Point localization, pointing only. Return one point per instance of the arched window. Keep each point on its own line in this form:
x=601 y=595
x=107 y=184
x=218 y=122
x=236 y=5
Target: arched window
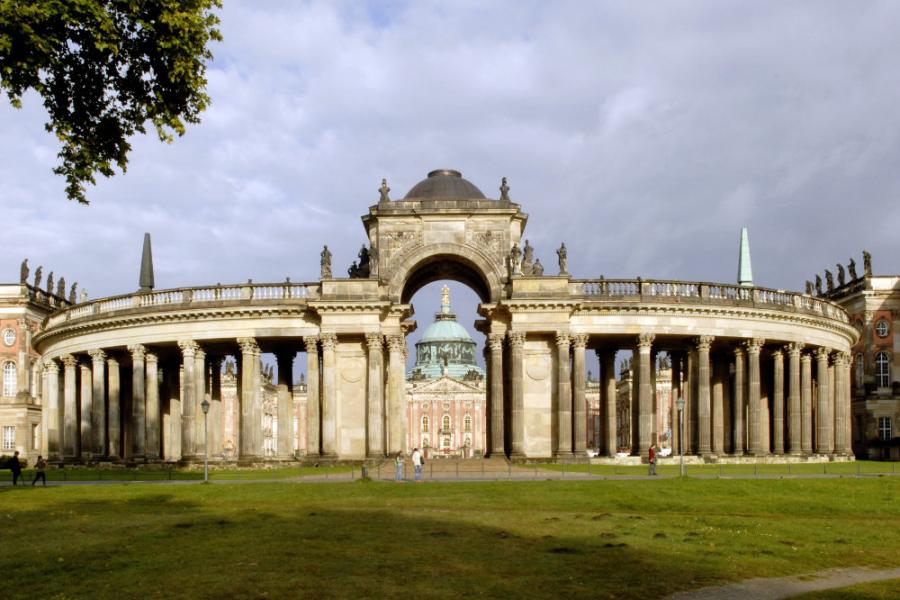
x=859 y=371
x=9 y=379
x=424 y=424
x=445 y=423
x=468 y=423
x=882 y=369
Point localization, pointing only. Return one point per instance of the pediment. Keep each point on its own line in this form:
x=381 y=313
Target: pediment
x=445 y=385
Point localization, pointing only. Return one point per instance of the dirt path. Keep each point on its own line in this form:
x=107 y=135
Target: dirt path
x=788 y=587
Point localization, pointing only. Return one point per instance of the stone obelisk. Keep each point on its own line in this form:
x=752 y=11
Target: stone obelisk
x=146 y=281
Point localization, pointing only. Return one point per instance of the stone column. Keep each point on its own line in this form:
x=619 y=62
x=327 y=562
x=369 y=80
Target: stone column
x=517 y=393
x=718 y=405
x=676 y=393
x=70 y=408
x=579 y=342
x=495 y=340
x=793 y=351
x=704 y=402
x=329 y=395
x=22 y=387
x=608 y=423
x=823 y=412
x=753 y=396
x=375 y=400
x=51 y=401
x=114 y=410
x=98 y=408
x=85 y=404
x=564 y=397
x=199 y=397
x=250 y=426
x=153 y=425
x=285 y=389
x=644 y=394
x=832 y=396
x=846 y=445
x=313 y=423
x=839 y=414
x=189 y=397
x=215 y=406
x=138 y=408
x=778 y=402
x=806 y=403
x=396 y=381
x=737 y=402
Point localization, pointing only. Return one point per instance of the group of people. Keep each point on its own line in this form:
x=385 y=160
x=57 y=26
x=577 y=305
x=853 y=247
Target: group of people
x=15 y=465
x=418 y=461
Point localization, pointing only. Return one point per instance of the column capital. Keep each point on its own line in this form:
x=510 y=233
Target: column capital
x=495 y=341
x=703 y=342
x=645 y=340
x=151 y=358
x=248 y=345
x=97 y=355
x=822 y=353
x=793 y=349
x=68 y=360
x=754 y=345
x=200 y=353
x=738 y=351
x=562 y=340
x=842 y=357
x=329 y=340
x=805 y=357
x=516 y=339
x=137 y=350
x=112 y=361
x=395 y=342
x=375 y=341
x=51 y=366
x=778 y=353
x=311 y=342
x=579 y=340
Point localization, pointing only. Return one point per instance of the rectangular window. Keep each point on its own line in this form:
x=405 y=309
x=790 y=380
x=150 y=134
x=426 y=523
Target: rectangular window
x=9 y=438
x=884 y=428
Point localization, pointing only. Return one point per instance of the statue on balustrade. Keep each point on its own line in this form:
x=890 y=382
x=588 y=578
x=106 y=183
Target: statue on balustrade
x=363 y=270
x=829 y=280
x=818 y=285
x=867 y=263
x=538 y=269
x=72 y=295
x=50 y=284
x=515 y=259
x=37 y=277
x=23 y=272
x=840 y=274
x=563 y=255
x=61 y=288
x=527 y=258
x=809 y=287
x=383 y=192
x=325 y=263
x=353 y=271
x=84 y=295
x=852 y=268
x=504 y=191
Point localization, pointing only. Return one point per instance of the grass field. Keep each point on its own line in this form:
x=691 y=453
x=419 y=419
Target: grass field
x=881 y=590
x=579 y=539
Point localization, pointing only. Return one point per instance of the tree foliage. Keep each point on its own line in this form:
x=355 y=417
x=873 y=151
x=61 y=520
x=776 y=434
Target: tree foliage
x=104 y=69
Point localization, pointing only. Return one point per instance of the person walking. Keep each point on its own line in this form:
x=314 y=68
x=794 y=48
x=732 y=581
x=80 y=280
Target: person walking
x=15 y=466
x=398 y=467
x=39 y=467
x=417 y=462
x=652 y=459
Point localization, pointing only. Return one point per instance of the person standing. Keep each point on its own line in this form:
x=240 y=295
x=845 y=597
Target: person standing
x=39 y=467
x=398 y=467
x=417 y=464
x=652 y=459
x=15 y=466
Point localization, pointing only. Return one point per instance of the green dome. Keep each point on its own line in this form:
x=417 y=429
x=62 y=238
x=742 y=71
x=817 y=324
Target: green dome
x=446 y=331
x=445 y=347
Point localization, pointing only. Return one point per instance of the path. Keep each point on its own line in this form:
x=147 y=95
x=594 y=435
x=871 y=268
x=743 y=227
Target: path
x=788 y=587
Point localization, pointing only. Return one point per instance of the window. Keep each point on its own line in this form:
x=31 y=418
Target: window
x=9 y=438
x=882 y=328
x=9 y=337
x=9 y=379
x=447 y=441
x=445 y=423
x=884 y=428
x=468 y=423
x=859 y=371
x=882 y=369
x=424 y=424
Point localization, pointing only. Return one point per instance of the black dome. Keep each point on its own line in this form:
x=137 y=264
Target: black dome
x=444 y=183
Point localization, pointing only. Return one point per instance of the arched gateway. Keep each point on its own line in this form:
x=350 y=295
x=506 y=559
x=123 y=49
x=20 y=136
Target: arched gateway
x=762 y=372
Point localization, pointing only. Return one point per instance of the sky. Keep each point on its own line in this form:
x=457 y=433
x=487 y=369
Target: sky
x=643 y=135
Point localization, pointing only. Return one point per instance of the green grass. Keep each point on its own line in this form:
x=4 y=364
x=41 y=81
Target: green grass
x=580 y=539
x=863 y=467
x=878 y=590
x=176 y=474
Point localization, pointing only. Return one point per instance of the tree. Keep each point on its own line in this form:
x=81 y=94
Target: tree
x=104 y=68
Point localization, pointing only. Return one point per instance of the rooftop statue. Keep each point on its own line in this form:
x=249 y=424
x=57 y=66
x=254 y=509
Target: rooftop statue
x=809 y=287
x=353 y=271
x=50 y=284
x=363 y=256
x=61 y=288
x=515 y=259
x=37 y=277
x=852 y=268
x=867 y=263
x=527 y=258
x=72 y=294
x=538 y=269
x=445 y=296
x=23 y=272
x=325 y=263
x=818 y=285
x=504 y=191
x=840 y=274
x=563 y=254
x=383 y=191
x=829 y=280
x=84 y=295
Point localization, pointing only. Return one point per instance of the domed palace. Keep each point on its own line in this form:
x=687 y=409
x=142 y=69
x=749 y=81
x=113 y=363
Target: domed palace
x=445 y=390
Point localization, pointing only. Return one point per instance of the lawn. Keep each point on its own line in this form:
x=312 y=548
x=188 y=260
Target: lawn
x=533 y=539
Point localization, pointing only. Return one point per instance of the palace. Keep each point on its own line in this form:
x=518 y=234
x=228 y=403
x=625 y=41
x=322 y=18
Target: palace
x=762 y=372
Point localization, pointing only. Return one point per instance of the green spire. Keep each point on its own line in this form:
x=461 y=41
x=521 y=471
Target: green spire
x=745 y=270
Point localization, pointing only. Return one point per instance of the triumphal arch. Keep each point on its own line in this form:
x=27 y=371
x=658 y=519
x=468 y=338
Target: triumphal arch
x=763 y=372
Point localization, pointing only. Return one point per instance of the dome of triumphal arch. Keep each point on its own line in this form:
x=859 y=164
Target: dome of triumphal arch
x=764 y=373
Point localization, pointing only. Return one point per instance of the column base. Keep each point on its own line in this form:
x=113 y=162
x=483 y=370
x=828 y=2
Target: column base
x=565 y=454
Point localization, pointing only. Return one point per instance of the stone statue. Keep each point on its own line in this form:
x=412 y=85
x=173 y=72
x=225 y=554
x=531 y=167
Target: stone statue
x=373 y=261
x=852 y=268
x=809 y=287
x=515 y=259
x=72 y=294
x=84 y=295
x=325 y=264
x=504 y=190
x=829 y=280
x=363 y=256
x=353 y=271
x=50 y=284
x=383 y=191
x=840 y=275
x=818 y=285
x=563 y=254
x=867 y=263
x=37 y=277
x=527 y=258
x=23 y=272
x=61 y=288
x=445 y=295
x=538 y=269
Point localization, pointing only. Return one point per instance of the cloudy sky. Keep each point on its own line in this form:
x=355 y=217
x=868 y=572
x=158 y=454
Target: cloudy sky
x=644 y=135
